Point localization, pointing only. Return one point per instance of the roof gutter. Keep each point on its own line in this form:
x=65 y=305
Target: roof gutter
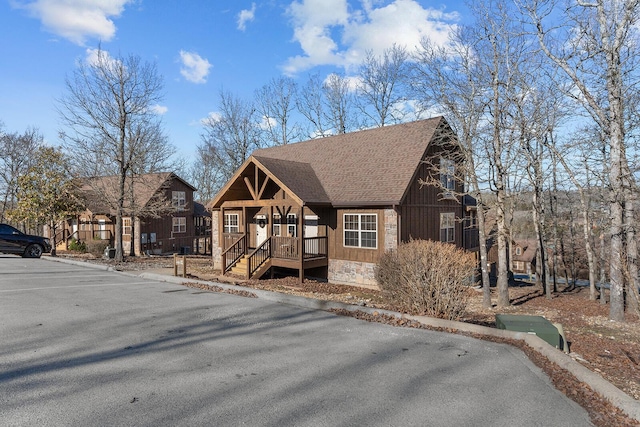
x=363 y=204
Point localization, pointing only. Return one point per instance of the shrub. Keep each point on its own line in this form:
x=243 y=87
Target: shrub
x=430 y=278
x=77 y=245
x=97 y=247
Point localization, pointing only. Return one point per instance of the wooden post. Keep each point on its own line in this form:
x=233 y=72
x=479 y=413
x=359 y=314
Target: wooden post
x=221 y=240
x=301 y=243
x=179 y=260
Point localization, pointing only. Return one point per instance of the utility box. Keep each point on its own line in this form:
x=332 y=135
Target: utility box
x=536 y=325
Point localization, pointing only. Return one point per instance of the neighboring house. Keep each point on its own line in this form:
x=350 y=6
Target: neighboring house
x=330 y=207
x=162 y=218
x=524 y=254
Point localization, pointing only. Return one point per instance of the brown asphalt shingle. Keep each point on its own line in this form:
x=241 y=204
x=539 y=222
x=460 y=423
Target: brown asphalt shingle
x=368 y=167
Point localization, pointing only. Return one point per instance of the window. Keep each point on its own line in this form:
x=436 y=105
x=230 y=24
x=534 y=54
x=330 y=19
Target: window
x=180 y=224
x=276 y=224
x=447 y=176
x=126 y=226
x=361 y=230
x=518 y=250
x=447 y=227
x=292 y=225
x=231 y=224
x=178 y=200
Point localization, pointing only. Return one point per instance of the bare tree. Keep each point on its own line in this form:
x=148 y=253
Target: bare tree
x=328 y=105
x=447 y=79
x=230 y=136
x=310 y=104
x=16 y=156
x=380 y=91
x=275 y=102
x=502 y=52
x=107 y=109
x=595 y=45
x=338 y=95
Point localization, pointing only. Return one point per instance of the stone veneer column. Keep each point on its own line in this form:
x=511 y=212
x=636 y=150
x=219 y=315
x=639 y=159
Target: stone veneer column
x=390 y=229
x=216 y=250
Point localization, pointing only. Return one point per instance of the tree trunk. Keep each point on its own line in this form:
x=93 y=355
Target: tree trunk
x=503 y=263
x=486 y=282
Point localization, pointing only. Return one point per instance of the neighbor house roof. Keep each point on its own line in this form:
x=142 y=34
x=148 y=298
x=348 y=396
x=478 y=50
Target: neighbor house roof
x=100 y=193
x=369 y=167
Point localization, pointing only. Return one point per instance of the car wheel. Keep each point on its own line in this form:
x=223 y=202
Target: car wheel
x=33 y=251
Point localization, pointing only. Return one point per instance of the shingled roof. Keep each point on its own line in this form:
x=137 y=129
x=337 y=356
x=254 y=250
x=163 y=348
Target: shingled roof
x=101 y=193
x=365 y=168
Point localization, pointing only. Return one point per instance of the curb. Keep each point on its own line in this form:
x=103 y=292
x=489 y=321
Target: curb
x=617 y=397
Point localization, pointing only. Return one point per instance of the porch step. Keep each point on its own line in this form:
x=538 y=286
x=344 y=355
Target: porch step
x=243 y=264
x=241 y=267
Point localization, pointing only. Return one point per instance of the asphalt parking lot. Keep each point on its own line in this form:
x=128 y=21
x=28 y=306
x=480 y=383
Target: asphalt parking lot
x=90 y=347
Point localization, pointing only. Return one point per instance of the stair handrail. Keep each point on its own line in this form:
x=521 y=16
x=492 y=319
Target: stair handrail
x=259 y=256
x=237 y=251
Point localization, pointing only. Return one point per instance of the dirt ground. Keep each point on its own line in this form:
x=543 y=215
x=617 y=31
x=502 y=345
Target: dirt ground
x=609 y=348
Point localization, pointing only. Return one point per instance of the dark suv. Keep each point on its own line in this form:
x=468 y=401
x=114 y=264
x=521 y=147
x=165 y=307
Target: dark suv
x=13 y=241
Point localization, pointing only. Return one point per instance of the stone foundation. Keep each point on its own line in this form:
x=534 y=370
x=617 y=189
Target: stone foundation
x=352 y=273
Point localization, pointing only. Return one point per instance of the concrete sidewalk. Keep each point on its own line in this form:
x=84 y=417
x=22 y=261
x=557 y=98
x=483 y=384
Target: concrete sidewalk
x=626 y=403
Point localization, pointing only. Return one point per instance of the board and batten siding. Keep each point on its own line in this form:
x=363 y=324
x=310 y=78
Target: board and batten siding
x=421 y=208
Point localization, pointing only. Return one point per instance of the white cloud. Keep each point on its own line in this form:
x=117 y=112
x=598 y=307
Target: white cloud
x=194 y=68
x=76 y=20
x=333 y=32
x=246 y=15
x=211 y=118
x=160 y=109
x=93 y=56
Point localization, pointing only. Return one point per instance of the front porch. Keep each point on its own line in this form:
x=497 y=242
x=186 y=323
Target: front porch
x=275 y=251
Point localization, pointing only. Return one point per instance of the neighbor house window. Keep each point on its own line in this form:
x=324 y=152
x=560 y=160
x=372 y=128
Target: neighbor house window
x=178 y=200
x=180 y=224
x=231 y=223
x=518 y=251
x=361 y=230
x=447 y=227
x=126 y=226
x=447 y=176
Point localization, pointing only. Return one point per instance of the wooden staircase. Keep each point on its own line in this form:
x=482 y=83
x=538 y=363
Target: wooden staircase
x=241 y=266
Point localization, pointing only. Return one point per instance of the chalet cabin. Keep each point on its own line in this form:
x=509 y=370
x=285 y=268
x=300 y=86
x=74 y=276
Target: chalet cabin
x=330 y=207
x=160 y=215
x=523 y=253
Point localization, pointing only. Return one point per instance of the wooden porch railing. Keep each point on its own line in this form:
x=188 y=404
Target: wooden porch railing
x=233 y=253
x=315 y=247
x=273 y=247
x=258 y=257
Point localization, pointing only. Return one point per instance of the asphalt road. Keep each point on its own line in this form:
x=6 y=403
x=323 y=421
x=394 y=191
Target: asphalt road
x=85 y=347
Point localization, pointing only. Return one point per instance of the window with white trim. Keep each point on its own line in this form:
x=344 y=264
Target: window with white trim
x=292 y=225
x=178 y=200
x=447 y=176
x=179 y=224
x=126 y=226
x=231 y=223
x=361 y=230
x=447 y=227
x=276 y=225
x=518 y=250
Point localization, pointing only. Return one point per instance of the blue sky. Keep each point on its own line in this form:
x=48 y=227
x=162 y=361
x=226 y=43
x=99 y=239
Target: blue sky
x=199 y=47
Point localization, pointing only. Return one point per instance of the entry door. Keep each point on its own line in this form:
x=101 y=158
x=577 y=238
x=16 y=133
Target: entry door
x=261 y=229
x=311 y=230
x=102 y=228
